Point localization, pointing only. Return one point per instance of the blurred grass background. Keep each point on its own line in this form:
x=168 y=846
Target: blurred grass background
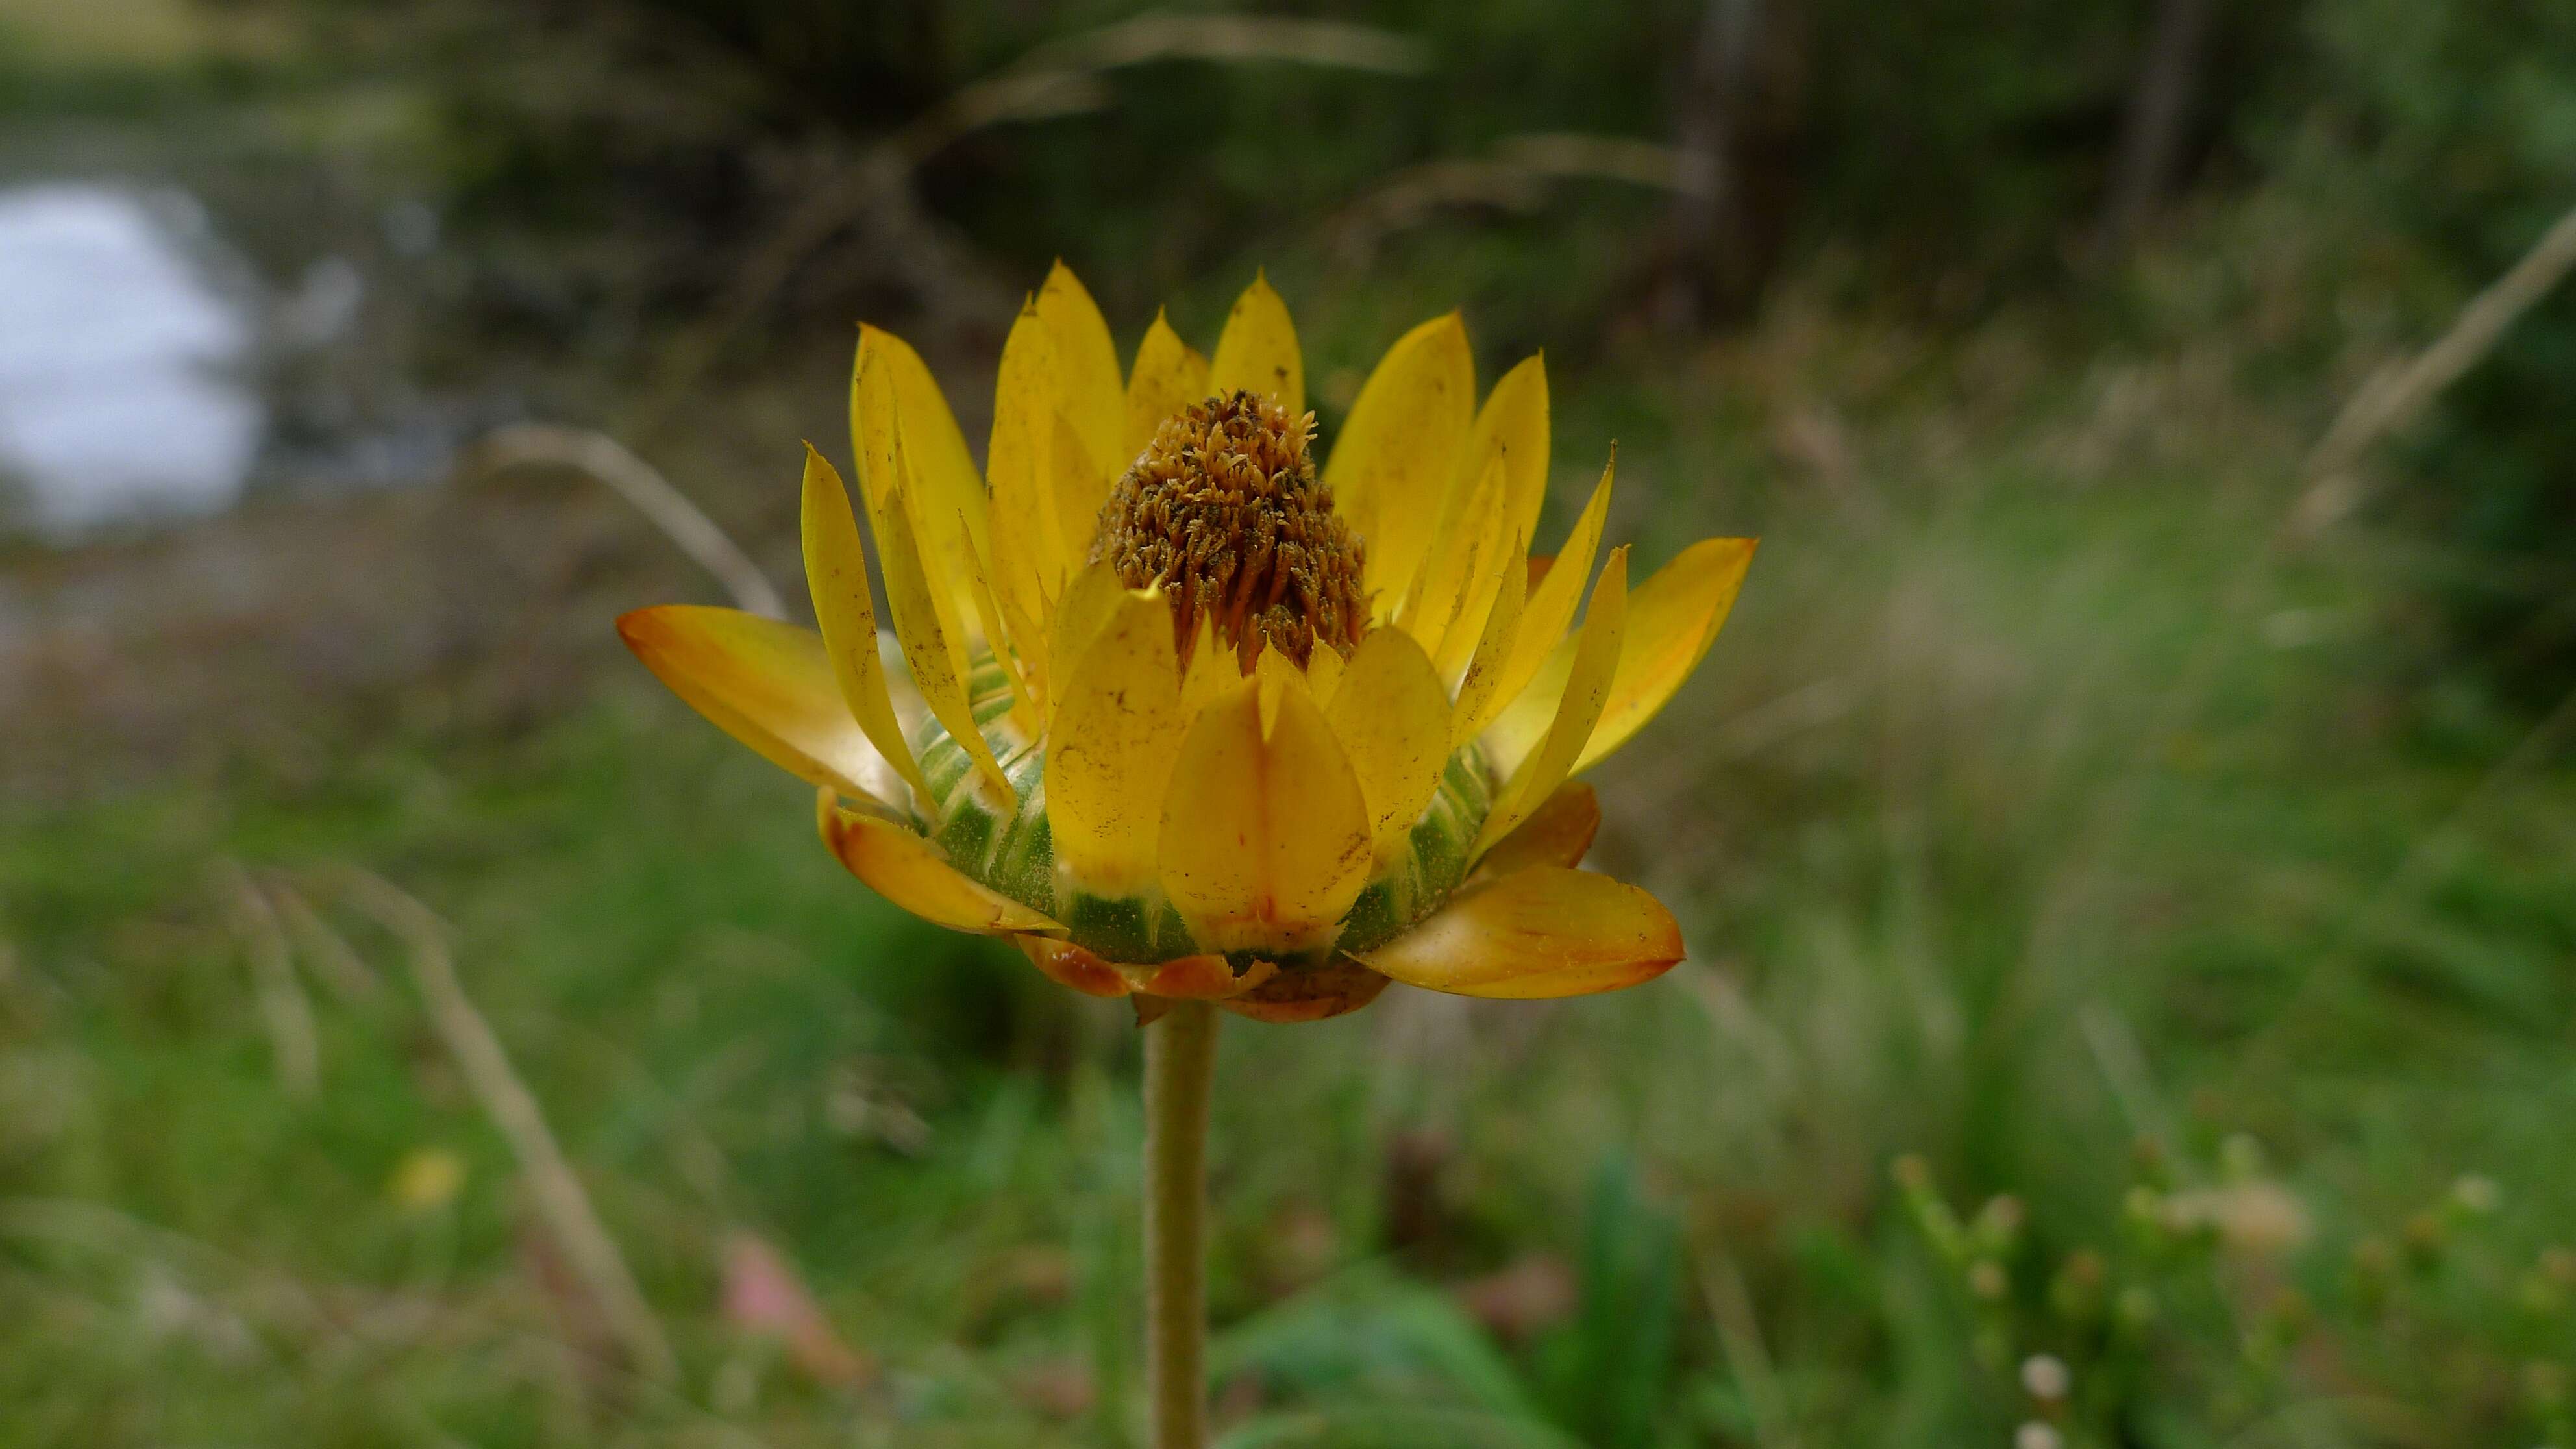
x=2133 y=995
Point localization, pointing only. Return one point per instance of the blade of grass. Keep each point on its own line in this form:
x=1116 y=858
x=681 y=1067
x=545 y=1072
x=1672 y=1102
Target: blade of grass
x=562 y=1201
x=283 y=1007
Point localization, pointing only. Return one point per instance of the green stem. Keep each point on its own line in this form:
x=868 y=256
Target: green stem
x=1180 y=1066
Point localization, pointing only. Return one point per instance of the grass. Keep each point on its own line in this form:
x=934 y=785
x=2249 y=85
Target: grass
x=2037 y=818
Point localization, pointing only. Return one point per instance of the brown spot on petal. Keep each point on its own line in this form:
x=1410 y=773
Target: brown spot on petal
x=1334 y=989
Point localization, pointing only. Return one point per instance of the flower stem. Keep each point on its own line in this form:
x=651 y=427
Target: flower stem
x=1180 y=1066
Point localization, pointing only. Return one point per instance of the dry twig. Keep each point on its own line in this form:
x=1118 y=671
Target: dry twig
x=1061 y=79
x=2396 y=393
x=1516 y=177
x=1064 y=78
x=325 y=950
x=602 y=457
x=561 y=1200
x=1739 y=1333
x=283 y=1006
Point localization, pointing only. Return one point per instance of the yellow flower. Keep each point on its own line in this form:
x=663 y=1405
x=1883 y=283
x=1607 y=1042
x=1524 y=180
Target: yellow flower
x=426 y=1179
x=1184 y=717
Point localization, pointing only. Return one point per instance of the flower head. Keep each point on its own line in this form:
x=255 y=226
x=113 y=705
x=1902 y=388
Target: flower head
x=1222 y=512
x=1185 y=715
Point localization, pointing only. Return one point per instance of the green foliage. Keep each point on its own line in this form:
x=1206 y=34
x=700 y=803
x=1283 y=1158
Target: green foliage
x=1609 y=1371
x=1998 y=891
x=2033 y=807
x=2438 y=184
x=1371 y=1337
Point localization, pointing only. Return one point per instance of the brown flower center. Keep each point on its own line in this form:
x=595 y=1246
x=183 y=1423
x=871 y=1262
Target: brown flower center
x=1223 y=510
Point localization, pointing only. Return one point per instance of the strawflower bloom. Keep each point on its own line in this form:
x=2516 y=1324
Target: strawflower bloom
x=1187 y=716
x=1195 y=721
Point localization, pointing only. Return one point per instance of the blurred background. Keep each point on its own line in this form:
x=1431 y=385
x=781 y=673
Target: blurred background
x=2124 y=836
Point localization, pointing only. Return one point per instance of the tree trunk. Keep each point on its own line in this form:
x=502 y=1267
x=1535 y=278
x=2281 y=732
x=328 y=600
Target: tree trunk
x=2158 y=116
x=1707 y=241
x=1734 y=133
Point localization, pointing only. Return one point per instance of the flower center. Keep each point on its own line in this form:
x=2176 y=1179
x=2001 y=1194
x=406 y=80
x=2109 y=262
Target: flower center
x=1223 y=511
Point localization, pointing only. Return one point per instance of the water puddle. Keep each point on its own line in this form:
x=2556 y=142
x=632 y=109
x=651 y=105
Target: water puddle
x=125 y=362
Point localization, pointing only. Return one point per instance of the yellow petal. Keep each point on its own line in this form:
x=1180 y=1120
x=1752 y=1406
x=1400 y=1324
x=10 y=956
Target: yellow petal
x=1028 y=542
x=1512 y=428
x=1672 y=620
x=1086 y=608
x=1448 y=571
x=1081 y=485
x=1390 y=468
x=1024 y=609
x=1492 y=500
x=1117 y=728
x=1265 y=838
x=1523 y=704
x=1478 y=689
x=1540 y=932
x=766 y=684
x=888 y=484
x=1587 y=690
x=927 y=639
x=925 y=620
x=1258 y=350
x=1324 y=671
x=1277 y=677
x=908 y=870
x=1520 y=725
x=1392 y=719
x=934 y=449
x=1169 y=376
x=1211 y=671
x=1498 y=553
x=938 y=447
x=1086 y=365
x=1558 y=833
x=949 y=506
x=1553 y=601
x=836 y=572
x=1025 y=713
